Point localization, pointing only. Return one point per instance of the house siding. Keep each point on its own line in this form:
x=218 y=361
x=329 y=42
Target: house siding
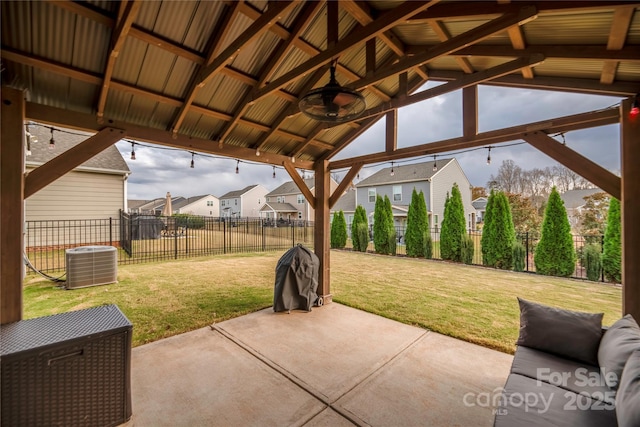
x=200 y=207
x=78 y=195
x=362 y=195
x=443 y=181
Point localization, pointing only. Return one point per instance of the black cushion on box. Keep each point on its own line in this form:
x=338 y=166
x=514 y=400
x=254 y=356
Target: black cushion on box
x=567 y=333
x=628 y=396
x=617 y=344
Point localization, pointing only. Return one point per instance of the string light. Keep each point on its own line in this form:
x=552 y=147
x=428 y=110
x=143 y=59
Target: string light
x=274 y=172
x=237 y=166
x=52 y=142
x=392 y=172
x=435 y=165
x=193 y=165
x=489 y=156
x=133 y=151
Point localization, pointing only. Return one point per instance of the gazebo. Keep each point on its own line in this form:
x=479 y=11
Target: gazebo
x=230 y=78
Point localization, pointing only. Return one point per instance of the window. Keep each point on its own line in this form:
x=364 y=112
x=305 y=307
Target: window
x=280 y=199
x=299 y=215
x=223 y=203
x=372 y=195
x=268 y=200
x=436 y=221
x=209 y=202
x=397 y=193
x=259 y=202
x=300 y=199
x=236 y=200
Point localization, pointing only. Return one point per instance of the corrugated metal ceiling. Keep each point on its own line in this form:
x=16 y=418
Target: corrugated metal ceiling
x=60 y=52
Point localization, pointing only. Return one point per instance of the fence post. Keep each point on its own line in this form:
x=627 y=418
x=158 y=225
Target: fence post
x=526 y=237
x=601 y=252
x=224 y=236
x=110 y=231
x=175 y=240
x=293 y=234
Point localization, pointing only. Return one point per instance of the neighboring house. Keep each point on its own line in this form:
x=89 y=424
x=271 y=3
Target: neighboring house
x=243 y=203
x=435 y=185
x=205 y=205
x=480 y=205
x=288 y=203
x=97 y=189
x=574 y=202
x=347 y=204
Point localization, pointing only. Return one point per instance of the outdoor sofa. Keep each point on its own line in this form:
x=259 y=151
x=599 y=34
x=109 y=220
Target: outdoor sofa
x=570 y=371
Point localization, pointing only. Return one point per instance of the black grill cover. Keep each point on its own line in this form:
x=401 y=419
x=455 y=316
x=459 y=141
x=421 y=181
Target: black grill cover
x=296 y=280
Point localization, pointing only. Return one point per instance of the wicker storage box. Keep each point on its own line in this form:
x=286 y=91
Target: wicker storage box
x=70 y=369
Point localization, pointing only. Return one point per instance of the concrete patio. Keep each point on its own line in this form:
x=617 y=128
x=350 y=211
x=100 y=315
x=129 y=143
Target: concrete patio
x=334 y=366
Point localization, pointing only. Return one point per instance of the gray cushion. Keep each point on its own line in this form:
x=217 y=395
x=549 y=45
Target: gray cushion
x=561 y=372
x=617 y=344
x=571 y=334
x=628 y=397
x=527 y=403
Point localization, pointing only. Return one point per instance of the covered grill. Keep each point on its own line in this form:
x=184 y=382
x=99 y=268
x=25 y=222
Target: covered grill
x=296 y=280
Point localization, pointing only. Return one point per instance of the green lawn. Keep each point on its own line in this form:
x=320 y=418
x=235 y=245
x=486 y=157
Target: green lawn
x=472 y=303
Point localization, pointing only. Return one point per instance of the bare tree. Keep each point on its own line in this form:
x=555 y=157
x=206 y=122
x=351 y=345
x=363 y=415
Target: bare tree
x=507 y=178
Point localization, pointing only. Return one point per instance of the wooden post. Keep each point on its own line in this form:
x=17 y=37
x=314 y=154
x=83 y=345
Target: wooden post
x=12 y=141
x=470 y=111
x=322 y=232
x=630 y=210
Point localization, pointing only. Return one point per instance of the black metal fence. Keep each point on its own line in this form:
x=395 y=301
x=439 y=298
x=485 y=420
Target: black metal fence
x=141 y=238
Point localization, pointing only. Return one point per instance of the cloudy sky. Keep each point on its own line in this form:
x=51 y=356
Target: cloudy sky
x=156 y=170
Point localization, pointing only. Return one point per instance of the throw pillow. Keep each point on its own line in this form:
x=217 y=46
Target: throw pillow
x=628 y=396
x=617 y=344
x=572 y=334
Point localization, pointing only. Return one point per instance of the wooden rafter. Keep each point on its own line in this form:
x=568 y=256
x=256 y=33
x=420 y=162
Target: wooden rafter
x=361 y=13
x=361 y=35
x=128 y=12
x=444 y=35
x=276 y=58
x=561 y=124
x=214 y=65
x=617 y=37
x=575 y=161
x=344 y=184
x=445 y=48
x=465 y=80
x=87 y=122
x=44 y=175
x=302 y=186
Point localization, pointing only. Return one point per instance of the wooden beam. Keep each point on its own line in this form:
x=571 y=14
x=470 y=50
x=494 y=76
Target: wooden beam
x=450 y=46
x=628 y=53
x=322 y=230
x=11 y=204
x=444 y=35
x=305 y=16
x=87 y=122
x=391 y=131
x=470 y=111
x=630 y=210
x=213 y=66
x=468 y=9
x=361 y=13
x=574 y=161
x=128 y=13
x=518 y=42
x=561 y=84
x=361 y=35
x=619 y=29
x=561 y=124
x=44 y=175
x=465 y=80
x=344 y=184
x=302 y=186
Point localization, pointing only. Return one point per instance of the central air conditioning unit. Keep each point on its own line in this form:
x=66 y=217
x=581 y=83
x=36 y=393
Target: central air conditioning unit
x=91 y=266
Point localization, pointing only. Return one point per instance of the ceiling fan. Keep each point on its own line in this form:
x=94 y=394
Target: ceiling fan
x=332 y=102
